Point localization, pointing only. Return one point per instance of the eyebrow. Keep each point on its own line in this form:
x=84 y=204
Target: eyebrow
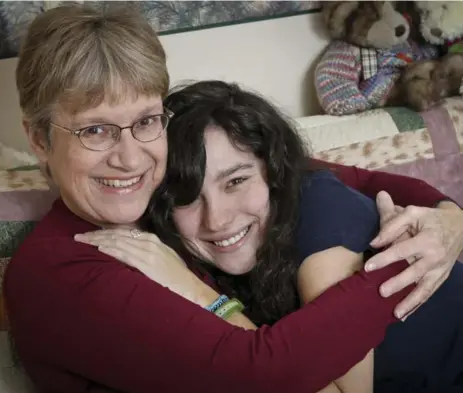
x=230 y=171
x=101 y=120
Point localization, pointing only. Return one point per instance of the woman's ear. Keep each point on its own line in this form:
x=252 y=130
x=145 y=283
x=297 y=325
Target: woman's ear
x=38 y=141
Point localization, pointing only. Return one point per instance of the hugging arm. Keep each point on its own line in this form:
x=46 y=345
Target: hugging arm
x=336 y=225
x=428 y=232
x=319 y=272
x=131 y=334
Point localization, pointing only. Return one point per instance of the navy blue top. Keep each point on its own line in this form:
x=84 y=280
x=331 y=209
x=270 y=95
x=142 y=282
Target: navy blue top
x=425 y=353
x=332 y=214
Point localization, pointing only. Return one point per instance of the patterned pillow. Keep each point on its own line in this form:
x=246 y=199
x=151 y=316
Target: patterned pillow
x=3 y=316
x=25 y=197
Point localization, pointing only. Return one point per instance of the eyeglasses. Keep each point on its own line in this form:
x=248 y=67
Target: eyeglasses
x=102 y=137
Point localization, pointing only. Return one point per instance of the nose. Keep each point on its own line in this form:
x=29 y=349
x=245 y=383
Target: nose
x=217 y=216
x=127 y=153
x=436 y=32
x=400 y=31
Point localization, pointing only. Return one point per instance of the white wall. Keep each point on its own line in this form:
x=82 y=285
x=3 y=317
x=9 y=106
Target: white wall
x=274 y=57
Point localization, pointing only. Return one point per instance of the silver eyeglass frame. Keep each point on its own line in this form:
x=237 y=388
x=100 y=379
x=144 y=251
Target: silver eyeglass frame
x=167 y=113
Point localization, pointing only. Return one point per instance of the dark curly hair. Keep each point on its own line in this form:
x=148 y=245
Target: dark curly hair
x=269 y=290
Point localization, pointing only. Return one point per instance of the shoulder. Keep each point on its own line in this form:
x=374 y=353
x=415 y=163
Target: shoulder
x=323 y=189
x=332 y=214
x=51 y=265
x=44 y=266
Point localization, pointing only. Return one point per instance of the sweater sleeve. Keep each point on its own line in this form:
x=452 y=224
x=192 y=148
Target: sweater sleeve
x=403 y=189
x=336 y=80
x=115 y=327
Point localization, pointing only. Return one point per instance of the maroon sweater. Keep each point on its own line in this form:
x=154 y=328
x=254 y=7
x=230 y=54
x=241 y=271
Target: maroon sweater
x=84 y=322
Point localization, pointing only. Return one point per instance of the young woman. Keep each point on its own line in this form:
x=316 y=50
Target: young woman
x=239 y=202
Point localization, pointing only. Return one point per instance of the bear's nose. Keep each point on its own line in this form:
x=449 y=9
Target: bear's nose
x=436 y=32
x=400 y=31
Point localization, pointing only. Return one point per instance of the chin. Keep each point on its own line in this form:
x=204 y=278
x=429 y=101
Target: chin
x=127 y=217
x=234 y=270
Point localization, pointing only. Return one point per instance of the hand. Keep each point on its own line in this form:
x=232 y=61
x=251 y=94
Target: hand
x=430 y=239
x=150 y=256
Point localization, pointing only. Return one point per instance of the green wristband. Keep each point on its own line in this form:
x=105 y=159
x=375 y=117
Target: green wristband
x=230 y=307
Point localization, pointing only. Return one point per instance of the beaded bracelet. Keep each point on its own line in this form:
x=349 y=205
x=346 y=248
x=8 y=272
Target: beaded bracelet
x=230 y=307
x=215 y=305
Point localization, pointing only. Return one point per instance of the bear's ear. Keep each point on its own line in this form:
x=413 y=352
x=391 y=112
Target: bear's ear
x=361 y=21
x=351 y=21
x=390 y=29
x=335 y=14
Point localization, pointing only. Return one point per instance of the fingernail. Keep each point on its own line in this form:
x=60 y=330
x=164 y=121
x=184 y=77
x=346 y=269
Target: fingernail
x=78 y=236
x=400 y=315
x=369 y=267
x=384 y=291
x=404 y=317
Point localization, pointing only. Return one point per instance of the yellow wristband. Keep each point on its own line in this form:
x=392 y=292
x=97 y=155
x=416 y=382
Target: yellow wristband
x=230 y=307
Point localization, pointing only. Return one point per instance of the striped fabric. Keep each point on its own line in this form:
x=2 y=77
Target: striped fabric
x=343 y=85
x=369 y=60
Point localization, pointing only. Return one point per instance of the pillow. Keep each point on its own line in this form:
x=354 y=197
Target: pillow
x=3 y=317
x=25 y=197
x=10 y=158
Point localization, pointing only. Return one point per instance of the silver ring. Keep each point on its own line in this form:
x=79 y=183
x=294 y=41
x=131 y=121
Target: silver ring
x=411 y=260
x=135 y=233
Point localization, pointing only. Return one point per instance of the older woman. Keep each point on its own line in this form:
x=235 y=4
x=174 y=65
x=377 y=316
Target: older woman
x=91 y=86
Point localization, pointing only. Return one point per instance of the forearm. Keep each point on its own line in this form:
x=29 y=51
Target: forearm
x=359 y=379
x=203 y=295
x=318 y=273
x=164 y=331
x=214 y=354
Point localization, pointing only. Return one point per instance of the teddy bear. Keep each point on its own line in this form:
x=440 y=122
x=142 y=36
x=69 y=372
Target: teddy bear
x=441 y=23
x=370 y=48
x=425 y=84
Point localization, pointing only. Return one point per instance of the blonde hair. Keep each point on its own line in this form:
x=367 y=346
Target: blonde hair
x=74 y=57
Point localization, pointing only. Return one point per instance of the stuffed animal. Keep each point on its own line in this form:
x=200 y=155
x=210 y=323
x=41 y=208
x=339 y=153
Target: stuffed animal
x=442 y=23
x=370 y=49
x=425 y=84
x=415 y=88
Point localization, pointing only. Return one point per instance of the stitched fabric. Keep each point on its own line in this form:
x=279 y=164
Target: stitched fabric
x=345 y=77
x=369 y=62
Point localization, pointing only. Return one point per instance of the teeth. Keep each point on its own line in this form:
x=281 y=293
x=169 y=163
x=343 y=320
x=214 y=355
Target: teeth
x=233 y=239
x=119 y=183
